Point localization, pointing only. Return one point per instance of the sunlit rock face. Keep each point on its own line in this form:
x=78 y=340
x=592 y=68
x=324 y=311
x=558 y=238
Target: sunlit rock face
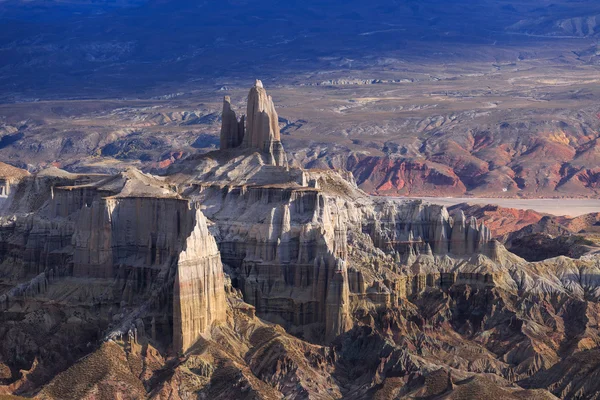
x=199 y=287
x=130 y=230
x=263 y=125
x=307 y=256
x=258 y=130
x=288 y=253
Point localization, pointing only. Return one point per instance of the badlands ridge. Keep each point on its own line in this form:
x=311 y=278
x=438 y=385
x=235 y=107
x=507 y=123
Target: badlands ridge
x=235 y=275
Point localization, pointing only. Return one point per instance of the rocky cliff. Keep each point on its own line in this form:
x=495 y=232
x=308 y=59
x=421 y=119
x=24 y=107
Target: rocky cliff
x=390 y=287
x=132 y=233
x=233 y=276
x=199 y=288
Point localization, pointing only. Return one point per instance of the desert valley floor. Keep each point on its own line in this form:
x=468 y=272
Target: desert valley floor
x=266 y=200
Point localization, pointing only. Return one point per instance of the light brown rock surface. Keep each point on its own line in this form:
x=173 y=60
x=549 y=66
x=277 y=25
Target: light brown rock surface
x=258 y=131
x=234 y=277
x=9 y=176
x=198 y=294
x=262 y=126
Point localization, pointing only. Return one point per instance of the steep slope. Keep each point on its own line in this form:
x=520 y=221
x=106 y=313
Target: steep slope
x=234 y=277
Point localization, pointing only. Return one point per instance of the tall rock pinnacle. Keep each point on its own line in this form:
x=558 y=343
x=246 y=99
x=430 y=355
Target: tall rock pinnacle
x=263 y=125
x=261 y=130
x=232 y=130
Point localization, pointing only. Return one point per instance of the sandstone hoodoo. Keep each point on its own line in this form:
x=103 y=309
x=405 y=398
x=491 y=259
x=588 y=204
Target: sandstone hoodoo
x=260 y=130
x=235 y=275
x=232 y=129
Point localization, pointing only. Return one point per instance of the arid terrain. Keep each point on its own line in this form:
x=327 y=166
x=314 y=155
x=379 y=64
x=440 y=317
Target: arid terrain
x=562 y=207
x=526 y=126
x=237 y=275
x=497 y=99
x=404 y=207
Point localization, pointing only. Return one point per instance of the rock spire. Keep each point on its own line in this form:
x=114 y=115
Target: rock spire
x=261 y=130
x=232 y=130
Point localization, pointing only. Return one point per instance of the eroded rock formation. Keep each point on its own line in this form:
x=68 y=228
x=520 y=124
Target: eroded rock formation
x=232 y=129
x=132 y=230
x=261 y=130
x=8 y=176
x=198 y=294
x=232 y=276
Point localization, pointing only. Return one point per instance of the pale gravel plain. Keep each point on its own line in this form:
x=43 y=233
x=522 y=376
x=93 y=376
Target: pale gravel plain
x=559 y=207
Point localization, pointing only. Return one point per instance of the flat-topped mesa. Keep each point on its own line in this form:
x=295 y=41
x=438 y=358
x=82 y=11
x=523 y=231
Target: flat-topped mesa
x=232 y=129
x=262 y=127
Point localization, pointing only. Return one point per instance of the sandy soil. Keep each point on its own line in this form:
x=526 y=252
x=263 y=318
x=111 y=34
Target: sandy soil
x=567 y=207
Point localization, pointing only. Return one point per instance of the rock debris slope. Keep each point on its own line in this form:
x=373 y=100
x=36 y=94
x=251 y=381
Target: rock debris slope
x=237 y=276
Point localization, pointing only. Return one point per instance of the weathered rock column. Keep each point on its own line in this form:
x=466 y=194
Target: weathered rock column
x=199 y=288
x=232 y=130
x=337 y=303
x=262 y=127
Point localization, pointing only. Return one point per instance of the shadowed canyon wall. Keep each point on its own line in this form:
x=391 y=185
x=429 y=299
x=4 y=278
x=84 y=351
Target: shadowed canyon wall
x=154 y=250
